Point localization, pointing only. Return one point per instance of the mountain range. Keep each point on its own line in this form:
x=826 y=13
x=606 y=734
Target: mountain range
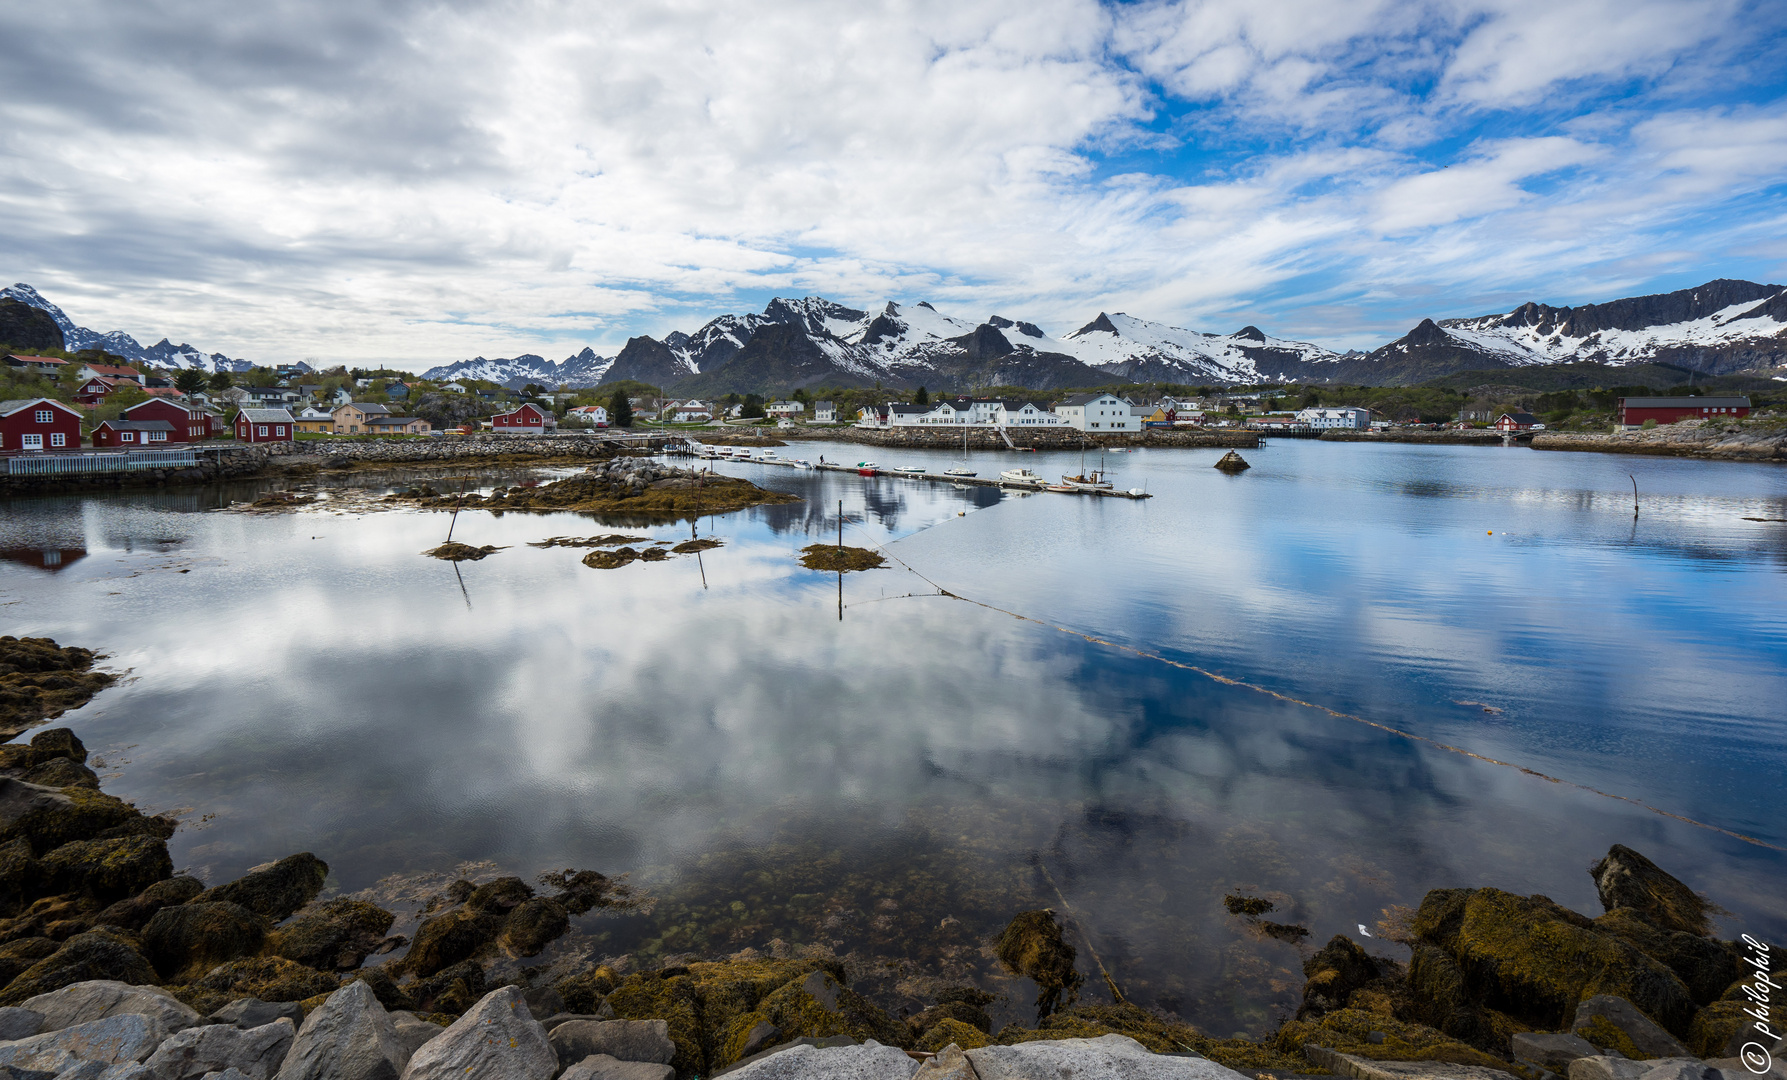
x=1723 y=327
x=162 y=354
x=1720 y=328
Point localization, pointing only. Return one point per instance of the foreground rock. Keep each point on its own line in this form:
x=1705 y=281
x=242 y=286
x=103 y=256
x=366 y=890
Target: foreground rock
x=1744 y=441
x=99 y=999
x=1109 y=1055
x=869 y=1061
x=115 y=1039
x=497 y=1040
x=350 y=1037
x=191 y=1054
x=625 y=1040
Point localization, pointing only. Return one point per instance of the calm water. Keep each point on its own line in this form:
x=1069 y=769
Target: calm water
x=896 y=784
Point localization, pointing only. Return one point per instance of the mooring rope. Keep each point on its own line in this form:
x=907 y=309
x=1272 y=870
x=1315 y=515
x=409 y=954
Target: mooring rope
x=1336 y=713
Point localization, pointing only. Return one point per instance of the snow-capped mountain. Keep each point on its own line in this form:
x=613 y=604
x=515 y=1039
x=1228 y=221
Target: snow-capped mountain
x=579 y=369
x=162 y=354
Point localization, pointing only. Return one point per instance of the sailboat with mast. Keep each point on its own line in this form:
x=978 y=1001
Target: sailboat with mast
x=1096 y=480
x=961 y=469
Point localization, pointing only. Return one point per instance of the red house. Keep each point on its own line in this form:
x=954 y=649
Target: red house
x=133 y=434
x=189 y=422
x=93 y=392
x=38 y=424
x=528 y=420
x=1518 y=421
x=265 y=425
x=1634 y=411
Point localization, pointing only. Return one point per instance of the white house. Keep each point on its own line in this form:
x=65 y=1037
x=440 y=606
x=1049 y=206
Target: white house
x=962 y=412
x=1352 y=419
x=594 y=415
x=824 y=412
x=1098 y=412
x=784 y=408
x=454 y=388
x=691 y=411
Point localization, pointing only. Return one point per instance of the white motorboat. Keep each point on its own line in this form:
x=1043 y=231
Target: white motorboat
x=916 y=470
x=767 y=455
x=802 y=463
x=959 y=470
x=1022 y=478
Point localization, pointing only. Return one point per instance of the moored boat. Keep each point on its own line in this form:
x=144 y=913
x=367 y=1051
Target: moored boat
x=1021 y=478
x=958 y=470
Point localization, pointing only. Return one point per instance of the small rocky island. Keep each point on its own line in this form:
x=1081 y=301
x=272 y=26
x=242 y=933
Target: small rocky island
x=634 y=487
x=112 y=967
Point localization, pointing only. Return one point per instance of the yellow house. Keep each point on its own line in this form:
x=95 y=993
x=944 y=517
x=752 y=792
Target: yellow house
x=352 y=419
x=316 y=425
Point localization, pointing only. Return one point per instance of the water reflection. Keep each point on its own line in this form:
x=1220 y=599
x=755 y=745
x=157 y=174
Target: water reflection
x=900 y=783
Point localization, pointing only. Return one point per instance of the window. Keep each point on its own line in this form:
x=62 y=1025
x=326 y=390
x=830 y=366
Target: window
x=43 y=416
x=33 y=442
x=58 y=439
x=281 y=430
x=127 y=436
x=263 y=431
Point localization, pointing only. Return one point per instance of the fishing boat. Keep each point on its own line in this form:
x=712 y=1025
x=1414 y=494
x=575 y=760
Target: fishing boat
x=767 y=455
x=959 y=470
x=1092 y=481
x=741 y=453
x=1021 y=478
x=867 y=468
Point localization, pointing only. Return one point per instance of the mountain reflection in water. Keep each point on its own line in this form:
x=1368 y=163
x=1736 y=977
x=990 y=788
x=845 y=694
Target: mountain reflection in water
x=900 y=783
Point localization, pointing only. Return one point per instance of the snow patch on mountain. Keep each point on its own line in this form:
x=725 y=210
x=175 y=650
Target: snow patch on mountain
x=162 y=354
x=1524 y=344
x=580 y=369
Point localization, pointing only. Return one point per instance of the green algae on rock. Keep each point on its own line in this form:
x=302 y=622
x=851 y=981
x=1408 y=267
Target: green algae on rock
x=40 y=680
x=1031 y=946
x=453 y=551
x=336 y=936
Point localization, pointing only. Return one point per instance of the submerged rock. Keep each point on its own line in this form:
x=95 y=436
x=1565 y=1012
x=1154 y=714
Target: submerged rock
x=1031 y=946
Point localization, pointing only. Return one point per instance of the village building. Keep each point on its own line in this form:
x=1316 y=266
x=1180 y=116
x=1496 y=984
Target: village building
x=1517 y=421
x=594 y=415
x=354 y=419
x=93 y=391
x=132 y=434
x=399 y=425
x=265 y=425
x=38 y=424
x=1337 y=419
x=271 y=397
x=1098 y=412
x=314 y=422
x=1634 y=411
x=109 y=371
x=454 y=388
x=188 y=423
x=692 y=412
x=824 y=412
x=784 y=408
x=40 y=365
x=529 y=419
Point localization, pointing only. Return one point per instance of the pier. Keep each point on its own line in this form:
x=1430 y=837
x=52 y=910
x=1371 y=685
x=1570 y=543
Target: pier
x=690 y=450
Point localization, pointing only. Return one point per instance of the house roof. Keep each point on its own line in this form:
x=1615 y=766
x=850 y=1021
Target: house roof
x=267 y=416
x=116 y=372
x=390 y=421
x=137 y=425
x=370 y=408
x=1521 y=417
x=154 y=400
x=1082 y=399
x=901 y=407
x=1686 y=402
x=7 y=408
x=35 y=359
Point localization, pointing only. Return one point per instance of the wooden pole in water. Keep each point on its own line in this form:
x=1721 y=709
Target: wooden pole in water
x=840 y=560
x=1634 y=497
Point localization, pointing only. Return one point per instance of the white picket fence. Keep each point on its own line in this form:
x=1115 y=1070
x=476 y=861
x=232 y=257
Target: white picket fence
x=63 y=464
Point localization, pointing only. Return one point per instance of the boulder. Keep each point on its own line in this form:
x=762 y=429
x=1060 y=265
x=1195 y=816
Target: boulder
x=952 y=1032
x=274 y=891
x=1722 y=1028
x=1534 y=960
x=19 y=1023
x=1232 y=462
x=1552 y=1051
x=60 y=742
x=61 y=773
x=497 y=1039
x=1679 y=1069
x=253 y=1012
x=1626 y=879
x=100 y=998
x=50 y=817
x=1608 y=1067
x=1613 y=1023
x=335 y=936
x=1333 y=974
x=1108 y=1055
x=603 y=1067
x=227 y=1074
x=107 y=870
x=20 y=953
x=187 y=941
x=1766 y=1065
x=1706 y=967
x=125 y=1037
x=949 y=1064
x=413 y=1032
x=449 y=939
x=627 y=1040
x=256 y=1052
x=347 y=1037
x=802 y=1061
x=1361 y=1067
x=133 y=913
x=269 y=978
x=82 y=958
x=533 y=925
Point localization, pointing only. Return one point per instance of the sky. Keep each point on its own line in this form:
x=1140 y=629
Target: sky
x=414 y=183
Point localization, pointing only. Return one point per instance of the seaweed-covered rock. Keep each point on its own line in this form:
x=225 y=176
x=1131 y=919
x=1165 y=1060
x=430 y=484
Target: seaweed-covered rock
x=335 y=936
x=1352 y=1031
x=274 y=891
x=93 y=955
x=254 y=1052
x=1535 y=960
x=133 y=913
x=1031 y=946
x=497 y=1039
x=385 y=988
x=1613 y=1023
x=269 y=978
x=60 y=742
x=821 y=1005
x=452 y=990
x=347 y=1037
x=952 y=1032
x=187 y=941
x=1626 y=879
x=1722 y=1028
x=107 y=870
x=450 y=938
x=57 y=917
x=100 y=998
x=585 y=992
x=39 y=679
x=1706 y=967
x=51 y=817
x=60 y=773
x=20 y=876
x=1437 y=997
x=20 y=953
x=1332 y=975
x=534 y=924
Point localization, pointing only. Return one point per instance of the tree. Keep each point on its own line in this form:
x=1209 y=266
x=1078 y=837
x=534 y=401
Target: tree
x=922 y=397
x=189 y=380
x=533 y=389
x=620 y=410
x=220 y=380
x=753 y=407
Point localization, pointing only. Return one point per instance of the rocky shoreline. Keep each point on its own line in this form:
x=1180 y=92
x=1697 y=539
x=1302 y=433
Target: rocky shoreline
x=1712 y=439
x=112 y=967
x=1030 y=439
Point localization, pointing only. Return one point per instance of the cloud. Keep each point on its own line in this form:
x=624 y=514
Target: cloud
x=413 y=183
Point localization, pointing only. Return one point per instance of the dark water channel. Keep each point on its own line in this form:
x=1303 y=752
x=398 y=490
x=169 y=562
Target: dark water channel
x=895 y=785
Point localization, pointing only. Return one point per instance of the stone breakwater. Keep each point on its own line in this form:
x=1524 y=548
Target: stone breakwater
x=459 y=449
x=1474 y=437
x=215 y=464
x=1718 y=440
x=1034 y=438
